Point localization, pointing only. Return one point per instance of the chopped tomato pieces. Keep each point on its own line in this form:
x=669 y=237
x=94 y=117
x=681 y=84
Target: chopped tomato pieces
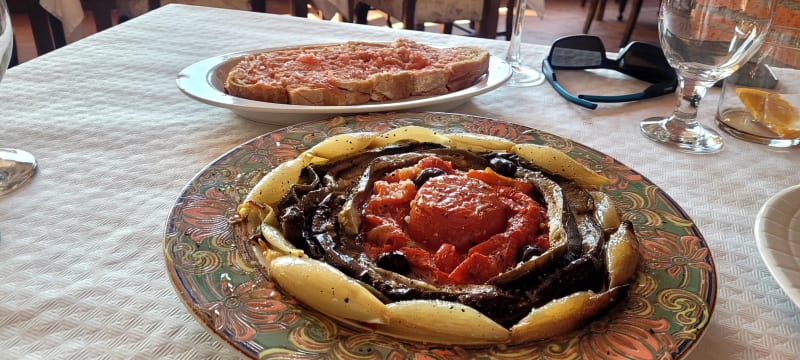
x=386 y=237
x=308 y=59
x=490 y=177
x=437 y=163
x=447 y=258
x=476 y=269
x=394 y=192
x=457 y=210
x=411 y=172
x=406 y=173
x=456 y=228
x=423 y=266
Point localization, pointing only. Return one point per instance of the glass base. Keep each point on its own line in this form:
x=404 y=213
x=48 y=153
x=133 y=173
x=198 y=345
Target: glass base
x=523 y=76
x=16 y=168
x=740 y=124
x=696 y=140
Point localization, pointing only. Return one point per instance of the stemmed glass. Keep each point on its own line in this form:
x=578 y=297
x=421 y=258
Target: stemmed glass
x=522 y=75
x=705 y=41
x=16 y=166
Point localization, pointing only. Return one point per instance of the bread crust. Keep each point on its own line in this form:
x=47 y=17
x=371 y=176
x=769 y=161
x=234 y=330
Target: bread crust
x=355 y=72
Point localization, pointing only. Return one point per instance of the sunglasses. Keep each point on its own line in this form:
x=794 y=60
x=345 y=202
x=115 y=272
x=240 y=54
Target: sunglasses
x=640 y=60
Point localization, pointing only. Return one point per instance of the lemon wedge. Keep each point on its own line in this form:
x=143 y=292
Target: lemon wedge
x=772 y=111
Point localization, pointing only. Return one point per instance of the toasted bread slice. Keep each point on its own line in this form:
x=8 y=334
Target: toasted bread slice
x=355 y=73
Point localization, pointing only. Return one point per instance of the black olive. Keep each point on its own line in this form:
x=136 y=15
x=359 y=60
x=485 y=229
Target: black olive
x=394 y=261
x=503 y=166
x=529 y=251
x=427 y=174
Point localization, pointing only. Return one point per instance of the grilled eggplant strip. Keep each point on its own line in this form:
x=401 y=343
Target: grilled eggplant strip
x=293 y=226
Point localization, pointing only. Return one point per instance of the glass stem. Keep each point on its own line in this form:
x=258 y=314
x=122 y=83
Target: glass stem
x=513 y=56
x=690 y=93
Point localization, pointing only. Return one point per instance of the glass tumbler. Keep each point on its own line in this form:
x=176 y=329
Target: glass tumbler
x=761 y=101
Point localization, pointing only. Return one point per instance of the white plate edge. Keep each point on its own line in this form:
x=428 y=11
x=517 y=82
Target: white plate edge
x=194 y=81
x=764 y=238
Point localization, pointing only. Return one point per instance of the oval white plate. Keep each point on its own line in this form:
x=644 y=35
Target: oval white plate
x=204 y=81
x=777 y=231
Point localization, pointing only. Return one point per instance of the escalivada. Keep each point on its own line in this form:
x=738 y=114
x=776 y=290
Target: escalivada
x=459 y=239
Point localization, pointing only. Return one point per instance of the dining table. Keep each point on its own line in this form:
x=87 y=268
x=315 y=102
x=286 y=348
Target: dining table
x=83 y=272
x=71 y=12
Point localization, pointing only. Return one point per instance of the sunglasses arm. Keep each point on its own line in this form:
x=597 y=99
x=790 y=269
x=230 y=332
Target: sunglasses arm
x=652 y=91
x=614 y=98
x=551 y=76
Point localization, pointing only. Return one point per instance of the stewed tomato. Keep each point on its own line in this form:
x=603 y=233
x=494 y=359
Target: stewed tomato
x=457 y=210
x=458 y=227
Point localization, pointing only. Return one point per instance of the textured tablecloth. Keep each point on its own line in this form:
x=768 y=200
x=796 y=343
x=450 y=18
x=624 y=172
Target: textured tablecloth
x=82 y=272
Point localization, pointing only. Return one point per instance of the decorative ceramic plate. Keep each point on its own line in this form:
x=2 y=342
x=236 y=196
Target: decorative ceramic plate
x=217 y=276
x=777 y=231
x=204 y=81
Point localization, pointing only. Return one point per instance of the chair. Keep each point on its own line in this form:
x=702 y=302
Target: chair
x=326 y=9
x=356 y=10
x=602 y=8
x=597 y=8
x=101 y=9
x=47 y=31
x=507 y=31
x=14 y=61
x=255 y=5
x=413 y=14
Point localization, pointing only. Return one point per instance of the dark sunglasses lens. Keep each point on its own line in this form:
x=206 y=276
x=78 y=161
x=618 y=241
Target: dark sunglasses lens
x=646 y=62
x=577 y=52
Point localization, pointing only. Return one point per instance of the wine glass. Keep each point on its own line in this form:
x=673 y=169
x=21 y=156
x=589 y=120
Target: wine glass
x=16 y=166
x=521 y=75
x=704 y=41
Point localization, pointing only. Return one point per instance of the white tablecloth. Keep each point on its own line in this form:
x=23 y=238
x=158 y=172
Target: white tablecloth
x=81 y=263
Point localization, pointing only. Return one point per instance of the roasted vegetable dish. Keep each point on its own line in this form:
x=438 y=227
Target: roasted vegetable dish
x=447 y=238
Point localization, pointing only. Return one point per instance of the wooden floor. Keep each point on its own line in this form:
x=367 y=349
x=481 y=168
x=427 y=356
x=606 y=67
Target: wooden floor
x=561 y=18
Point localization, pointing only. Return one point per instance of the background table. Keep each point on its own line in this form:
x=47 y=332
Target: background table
x=81 y=267
x=71 y=12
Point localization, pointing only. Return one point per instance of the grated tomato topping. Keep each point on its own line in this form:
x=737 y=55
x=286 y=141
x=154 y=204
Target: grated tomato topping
x=463 y=227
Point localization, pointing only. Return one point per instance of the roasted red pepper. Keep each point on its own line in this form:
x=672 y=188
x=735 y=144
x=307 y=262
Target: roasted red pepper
x=456 y=228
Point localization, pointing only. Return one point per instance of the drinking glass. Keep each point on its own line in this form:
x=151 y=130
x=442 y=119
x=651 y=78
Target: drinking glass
x=704 y=41
x=521 y=75
x=760 y=102
x=16 y=166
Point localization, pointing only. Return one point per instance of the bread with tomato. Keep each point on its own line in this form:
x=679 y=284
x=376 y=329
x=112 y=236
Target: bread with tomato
x=353 y=73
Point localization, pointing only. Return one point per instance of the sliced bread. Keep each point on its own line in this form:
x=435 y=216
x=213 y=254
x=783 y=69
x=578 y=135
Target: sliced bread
x=353 y=73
